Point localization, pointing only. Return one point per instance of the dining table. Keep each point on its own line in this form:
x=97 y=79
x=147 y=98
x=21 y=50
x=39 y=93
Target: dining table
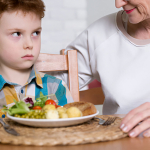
x=138 y=143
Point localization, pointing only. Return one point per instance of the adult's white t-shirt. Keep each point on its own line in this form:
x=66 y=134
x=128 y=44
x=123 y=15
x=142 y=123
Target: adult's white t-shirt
x=121 y=63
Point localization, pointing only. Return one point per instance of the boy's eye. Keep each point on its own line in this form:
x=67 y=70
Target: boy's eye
x=36 y=33
x=16 y=34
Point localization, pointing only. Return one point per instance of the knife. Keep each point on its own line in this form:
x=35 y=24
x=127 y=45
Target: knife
x=8 y=129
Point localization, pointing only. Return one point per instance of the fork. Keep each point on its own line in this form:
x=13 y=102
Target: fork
x=101 y=121
x=109 y=121
x=8 y=128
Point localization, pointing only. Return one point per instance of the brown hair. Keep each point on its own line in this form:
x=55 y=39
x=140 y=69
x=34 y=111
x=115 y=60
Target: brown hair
x=26 y=6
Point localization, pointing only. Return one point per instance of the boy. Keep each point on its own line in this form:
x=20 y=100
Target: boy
x=20 y=42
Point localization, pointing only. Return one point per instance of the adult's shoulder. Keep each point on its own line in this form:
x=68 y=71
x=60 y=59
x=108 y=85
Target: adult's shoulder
x=103 y=28
x=107 y=22
x=95 y=34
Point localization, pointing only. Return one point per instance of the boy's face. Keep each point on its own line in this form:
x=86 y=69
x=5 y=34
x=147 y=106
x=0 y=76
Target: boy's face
x=20 y=39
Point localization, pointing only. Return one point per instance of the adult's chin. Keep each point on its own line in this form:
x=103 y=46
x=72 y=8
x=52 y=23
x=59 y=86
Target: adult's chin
x=135 y=20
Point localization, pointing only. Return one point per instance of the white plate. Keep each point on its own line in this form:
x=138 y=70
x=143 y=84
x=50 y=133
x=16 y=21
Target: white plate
x=52 y=122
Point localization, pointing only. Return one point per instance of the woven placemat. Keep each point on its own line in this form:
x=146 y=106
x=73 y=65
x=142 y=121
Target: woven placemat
x=89 y=132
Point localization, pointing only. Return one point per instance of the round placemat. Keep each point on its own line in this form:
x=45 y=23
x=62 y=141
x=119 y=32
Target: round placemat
x=89 y=132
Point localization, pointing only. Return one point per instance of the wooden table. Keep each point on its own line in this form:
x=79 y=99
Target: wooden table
x=139 y=143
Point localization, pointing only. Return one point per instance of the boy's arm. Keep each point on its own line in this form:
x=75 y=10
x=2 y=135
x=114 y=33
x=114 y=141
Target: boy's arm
x=63 y=75
x=63 y=94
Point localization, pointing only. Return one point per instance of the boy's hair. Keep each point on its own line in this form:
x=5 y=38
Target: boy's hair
x=26 y=6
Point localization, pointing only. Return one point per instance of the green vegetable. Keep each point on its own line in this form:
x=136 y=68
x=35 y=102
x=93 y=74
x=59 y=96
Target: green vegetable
x=19 y=108
x=40 y=101
x=4 y=106
x=37 y=114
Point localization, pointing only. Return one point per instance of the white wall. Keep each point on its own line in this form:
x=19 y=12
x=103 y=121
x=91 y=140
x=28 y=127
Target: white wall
x=63 y=21
x=99 y=8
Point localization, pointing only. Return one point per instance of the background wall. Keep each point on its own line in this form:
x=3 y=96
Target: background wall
x=99 y=8
x=65 y=19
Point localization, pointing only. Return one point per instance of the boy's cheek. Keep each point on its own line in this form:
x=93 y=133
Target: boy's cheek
x=36 y=49
x=10 y=57
x=37 y=43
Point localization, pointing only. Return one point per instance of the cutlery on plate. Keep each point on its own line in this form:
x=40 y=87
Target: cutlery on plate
x=107 y=122
x=8 y=129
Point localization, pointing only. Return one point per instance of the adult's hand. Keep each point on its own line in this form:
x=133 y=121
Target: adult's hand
x=137 y=121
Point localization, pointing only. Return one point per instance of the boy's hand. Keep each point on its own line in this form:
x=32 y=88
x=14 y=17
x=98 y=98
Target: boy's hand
x=139 y=117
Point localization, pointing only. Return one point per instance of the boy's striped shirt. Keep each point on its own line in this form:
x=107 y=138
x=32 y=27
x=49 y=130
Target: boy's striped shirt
x=37 y=82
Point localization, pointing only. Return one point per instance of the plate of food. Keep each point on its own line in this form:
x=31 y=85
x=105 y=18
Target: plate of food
x=46 y=113
x=53 y=122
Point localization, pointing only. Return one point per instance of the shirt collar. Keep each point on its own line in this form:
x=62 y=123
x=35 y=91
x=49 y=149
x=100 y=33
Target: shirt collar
x=34 y=74
x=3 y=82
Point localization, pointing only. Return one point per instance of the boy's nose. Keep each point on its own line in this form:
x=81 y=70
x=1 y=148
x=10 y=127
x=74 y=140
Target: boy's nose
x=120 y=3
x=28 y=44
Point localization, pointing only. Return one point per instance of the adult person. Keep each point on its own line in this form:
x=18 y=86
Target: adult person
x=115 y=50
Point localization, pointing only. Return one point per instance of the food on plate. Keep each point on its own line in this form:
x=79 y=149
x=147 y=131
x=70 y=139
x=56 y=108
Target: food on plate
x=40 y=101
x=29 y=100
x=50 y=101
x=52 y=114
x=37 y=108
x=57 y=106
x=62 y=112
x=85 y=107
x=19 y=108
x=49 y=107
x=36 y=114
x=73 y=112
x=61 y=109
x=63 y=115
x=45 y=108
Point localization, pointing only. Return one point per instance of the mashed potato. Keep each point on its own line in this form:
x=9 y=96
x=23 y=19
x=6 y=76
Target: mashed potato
x=61 y=112
x=63 y=115
x=73 y=112
x=48 y=107
x=52 y=114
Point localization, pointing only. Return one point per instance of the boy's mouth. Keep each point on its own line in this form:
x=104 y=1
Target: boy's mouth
x=28 y=57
